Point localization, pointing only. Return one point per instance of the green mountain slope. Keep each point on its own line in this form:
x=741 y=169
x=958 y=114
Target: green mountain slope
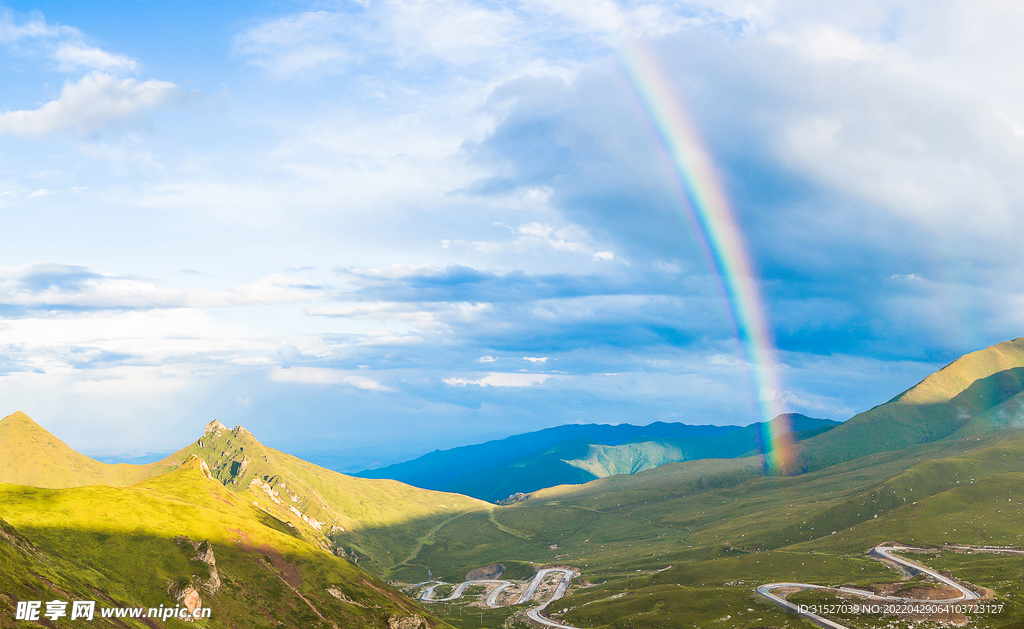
x=29 y=574
x=375 y=522
x=961 y=394
x=33 y=456
x=527 y=473
x=183 y=536
x=684 y=544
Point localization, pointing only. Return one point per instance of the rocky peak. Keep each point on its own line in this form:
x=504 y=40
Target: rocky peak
x=215 y=427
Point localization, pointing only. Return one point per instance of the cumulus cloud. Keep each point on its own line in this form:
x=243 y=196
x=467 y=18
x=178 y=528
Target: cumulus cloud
x=95 y=102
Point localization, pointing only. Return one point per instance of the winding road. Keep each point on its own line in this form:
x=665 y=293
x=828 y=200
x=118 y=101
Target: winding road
x=882 y=553
x=427 y=596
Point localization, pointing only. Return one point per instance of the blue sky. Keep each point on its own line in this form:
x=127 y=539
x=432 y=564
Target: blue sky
x=379 y=228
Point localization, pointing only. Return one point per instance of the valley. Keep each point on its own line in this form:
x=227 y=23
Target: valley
x=936 y=472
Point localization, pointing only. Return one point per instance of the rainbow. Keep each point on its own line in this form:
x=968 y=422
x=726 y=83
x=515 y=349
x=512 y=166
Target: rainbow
x=699 y=184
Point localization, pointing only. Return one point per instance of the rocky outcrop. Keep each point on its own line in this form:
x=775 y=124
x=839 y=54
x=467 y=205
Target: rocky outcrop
x=338 y=594
x=188 y=596
x=406 y=622
x=484 y=573
x=514 y=498
x=238 y=468
x=203 y=551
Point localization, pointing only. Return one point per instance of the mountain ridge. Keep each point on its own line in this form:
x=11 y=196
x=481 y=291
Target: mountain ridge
x=586 y=458
x=362 y=519
x=957 y=395
x=442 y=466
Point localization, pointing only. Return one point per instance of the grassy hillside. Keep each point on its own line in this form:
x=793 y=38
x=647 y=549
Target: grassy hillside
x=958 y=395
x=32 y=456
x=377 y=523
x=684 y=545
x=29 y=574
x=133 y=546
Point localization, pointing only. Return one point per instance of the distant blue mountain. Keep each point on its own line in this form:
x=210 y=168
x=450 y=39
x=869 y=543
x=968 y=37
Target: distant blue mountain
x=433 y=470
x=534 y=460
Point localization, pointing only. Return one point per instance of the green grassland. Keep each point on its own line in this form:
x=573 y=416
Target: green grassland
x=122 y=545
x=723 y=540
x=378 y=523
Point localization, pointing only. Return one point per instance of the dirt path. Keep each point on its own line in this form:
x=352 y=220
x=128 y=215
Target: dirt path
x=427 y=538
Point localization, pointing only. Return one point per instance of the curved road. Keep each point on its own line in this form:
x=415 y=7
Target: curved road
x=880 y=552
x=492 y=597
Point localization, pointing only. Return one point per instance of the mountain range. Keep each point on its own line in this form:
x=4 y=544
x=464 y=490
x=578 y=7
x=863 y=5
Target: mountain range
x=580 y=453
x=267 y=540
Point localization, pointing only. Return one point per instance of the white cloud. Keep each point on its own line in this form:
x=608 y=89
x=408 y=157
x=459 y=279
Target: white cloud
x=487 y=359
x=35 y=28
x=412 y=314
x=825 y=42
x=64 y=44
x=98 y=100
x=537 y=236
x=499 y=379
x=42 y=286
x=905 y=277
x=297 y=43
x=457 y=32
x=72 y=56
x=536 y=359
x=320 y=375
x=433 y=316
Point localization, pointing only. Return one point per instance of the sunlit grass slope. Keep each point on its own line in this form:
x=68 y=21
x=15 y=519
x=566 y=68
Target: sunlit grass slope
x=375 y=522
x=957 y=396
x=126 y=546
x=33 y=456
